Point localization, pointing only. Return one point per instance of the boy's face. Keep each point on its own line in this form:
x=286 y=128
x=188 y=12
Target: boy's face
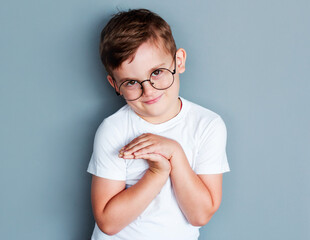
x=155 y=106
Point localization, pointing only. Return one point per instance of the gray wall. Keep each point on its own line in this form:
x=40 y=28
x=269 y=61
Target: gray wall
x=247 y=60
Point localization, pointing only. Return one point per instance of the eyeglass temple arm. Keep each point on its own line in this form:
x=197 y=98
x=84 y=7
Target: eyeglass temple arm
x=175 y=63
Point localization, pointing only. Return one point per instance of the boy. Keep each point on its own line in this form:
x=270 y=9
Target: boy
x=157 y=163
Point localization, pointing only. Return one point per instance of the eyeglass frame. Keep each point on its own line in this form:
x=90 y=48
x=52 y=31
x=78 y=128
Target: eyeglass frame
x=148 y=80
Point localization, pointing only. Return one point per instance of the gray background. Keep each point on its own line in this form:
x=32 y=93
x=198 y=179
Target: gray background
x=247 y=60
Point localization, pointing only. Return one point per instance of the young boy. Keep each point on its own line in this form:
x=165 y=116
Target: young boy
x=157 y=163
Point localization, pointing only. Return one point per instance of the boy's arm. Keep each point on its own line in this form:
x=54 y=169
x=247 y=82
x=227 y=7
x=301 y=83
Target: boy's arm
x=114 y=207
x=199 y=196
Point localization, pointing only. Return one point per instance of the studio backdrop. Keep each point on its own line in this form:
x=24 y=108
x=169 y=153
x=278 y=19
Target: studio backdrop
x=248 y=61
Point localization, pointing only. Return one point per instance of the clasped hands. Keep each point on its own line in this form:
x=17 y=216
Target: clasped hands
x=155 y=149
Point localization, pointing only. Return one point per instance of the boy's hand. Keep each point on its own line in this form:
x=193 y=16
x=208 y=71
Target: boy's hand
x=157 y=164
x=148 y=144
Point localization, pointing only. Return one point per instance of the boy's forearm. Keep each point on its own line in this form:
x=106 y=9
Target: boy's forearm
x=193 y=196
x=127 y=205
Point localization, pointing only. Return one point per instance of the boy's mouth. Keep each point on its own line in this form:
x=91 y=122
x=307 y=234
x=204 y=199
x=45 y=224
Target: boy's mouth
x=154 y=100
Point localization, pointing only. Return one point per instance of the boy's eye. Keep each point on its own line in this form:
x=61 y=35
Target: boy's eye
x=156 y=73
x=130 y=83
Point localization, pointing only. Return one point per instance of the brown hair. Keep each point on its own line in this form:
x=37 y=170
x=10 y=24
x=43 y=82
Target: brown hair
x=126 y=31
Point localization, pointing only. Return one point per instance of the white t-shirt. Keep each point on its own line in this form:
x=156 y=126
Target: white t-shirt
x=202 y=135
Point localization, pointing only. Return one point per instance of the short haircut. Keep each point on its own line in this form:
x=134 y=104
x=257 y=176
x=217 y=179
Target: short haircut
x=127 y=30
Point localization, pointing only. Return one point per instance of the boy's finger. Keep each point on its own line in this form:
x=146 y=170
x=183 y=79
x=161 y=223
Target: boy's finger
x=135 y=141
x=121 y=155
x=146 y=150
x=153 y=157
x=137 y=147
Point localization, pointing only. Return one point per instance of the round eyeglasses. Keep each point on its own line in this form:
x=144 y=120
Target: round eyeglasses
x=160 y=79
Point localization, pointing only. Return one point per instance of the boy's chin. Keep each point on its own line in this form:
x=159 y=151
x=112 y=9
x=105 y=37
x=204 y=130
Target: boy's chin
x=158 y=112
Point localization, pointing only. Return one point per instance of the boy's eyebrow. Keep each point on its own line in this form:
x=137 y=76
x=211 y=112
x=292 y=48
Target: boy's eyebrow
x=156 y=67
x=150 y=71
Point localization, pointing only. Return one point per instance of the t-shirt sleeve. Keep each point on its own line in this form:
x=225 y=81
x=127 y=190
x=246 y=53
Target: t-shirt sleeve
x=104 y=160
x=211 y=156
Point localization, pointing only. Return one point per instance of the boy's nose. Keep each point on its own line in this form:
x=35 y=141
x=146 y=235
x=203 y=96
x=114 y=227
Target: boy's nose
x=148 y=89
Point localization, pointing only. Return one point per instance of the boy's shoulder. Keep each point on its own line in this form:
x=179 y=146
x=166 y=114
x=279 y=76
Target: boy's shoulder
x=204 y=122
x=199 y=113
x=119 y=116
x=111 y=124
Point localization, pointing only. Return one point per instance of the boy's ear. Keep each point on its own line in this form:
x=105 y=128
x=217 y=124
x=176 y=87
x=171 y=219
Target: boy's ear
x=180 y=60
x=112 y=83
